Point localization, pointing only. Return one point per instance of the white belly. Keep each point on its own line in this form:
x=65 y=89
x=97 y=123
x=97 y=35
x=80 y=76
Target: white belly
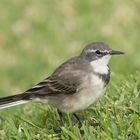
x=86 y=96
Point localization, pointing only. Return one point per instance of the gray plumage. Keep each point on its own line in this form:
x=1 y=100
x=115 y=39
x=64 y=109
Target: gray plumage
x=75 y=84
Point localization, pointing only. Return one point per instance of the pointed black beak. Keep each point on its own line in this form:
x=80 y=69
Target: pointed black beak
x=114 y=52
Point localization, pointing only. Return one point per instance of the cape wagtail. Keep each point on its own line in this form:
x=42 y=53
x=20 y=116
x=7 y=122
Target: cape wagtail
x=74 y=85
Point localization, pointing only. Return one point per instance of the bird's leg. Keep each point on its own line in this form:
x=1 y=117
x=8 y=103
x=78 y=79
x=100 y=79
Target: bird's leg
x=78 y=119
x=61 y=117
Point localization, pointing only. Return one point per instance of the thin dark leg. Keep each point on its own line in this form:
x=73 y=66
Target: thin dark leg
x=61 y=118
x=78 y=119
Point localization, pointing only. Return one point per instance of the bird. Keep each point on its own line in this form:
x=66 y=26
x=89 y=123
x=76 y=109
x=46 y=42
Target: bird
x=74 y=85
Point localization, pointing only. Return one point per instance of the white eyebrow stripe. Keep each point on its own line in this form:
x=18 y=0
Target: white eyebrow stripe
x=105 y=51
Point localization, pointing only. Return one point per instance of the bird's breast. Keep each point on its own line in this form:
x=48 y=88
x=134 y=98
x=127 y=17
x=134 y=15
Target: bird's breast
x=96 y=85
x=95 y=89
x=90 y=90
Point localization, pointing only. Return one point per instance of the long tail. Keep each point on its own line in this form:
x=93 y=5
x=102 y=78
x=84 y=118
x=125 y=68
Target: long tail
x=9 y=101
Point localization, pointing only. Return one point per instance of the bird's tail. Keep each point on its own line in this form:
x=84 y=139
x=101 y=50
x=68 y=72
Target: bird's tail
x=9 y=101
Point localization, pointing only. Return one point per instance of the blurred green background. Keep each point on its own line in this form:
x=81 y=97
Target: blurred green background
x=38 y=35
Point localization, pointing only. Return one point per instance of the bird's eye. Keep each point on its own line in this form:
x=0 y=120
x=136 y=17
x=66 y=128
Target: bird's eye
x=98 y=52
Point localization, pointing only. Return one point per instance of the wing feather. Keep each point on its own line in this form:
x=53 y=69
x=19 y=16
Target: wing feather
x=65 y=80
x=51 y=87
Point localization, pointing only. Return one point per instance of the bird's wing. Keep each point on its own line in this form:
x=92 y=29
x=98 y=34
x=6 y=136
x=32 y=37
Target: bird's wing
x=51 y=86
x=65 y=80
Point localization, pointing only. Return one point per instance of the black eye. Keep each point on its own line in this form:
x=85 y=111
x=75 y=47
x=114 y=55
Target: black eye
x=98 y=52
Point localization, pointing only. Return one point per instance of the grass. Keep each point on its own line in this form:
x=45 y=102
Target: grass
x=37 y=36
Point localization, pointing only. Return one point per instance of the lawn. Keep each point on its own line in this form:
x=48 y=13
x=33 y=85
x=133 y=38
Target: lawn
x=37 y=36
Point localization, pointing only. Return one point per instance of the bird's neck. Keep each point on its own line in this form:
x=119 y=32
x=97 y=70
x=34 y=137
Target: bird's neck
x=103 y=73
x=100 y=69
x=101 y=65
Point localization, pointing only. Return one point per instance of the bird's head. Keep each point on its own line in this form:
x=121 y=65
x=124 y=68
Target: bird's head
x=99 y=54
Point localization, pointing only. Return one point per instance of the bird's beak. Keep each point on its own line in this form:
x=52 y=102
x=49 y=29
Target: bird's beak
x=114 y=52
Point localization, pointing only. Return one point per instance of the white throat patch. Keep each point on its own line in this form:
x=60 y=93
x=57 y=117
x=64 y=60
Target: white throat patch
x=100 y=65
